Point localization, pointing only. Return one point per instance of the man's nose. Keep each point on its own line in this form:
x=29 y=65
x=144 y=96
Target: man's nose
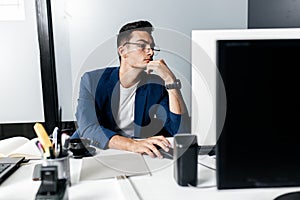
x=149 y=51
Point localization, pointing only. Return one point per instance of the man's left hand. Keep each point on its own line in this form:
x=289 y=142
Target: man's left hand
x=162 y=70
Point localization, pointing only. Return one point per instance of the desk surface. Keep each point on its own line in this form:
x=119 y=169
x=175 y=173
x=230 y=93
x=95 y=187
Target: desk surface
x=159 y=185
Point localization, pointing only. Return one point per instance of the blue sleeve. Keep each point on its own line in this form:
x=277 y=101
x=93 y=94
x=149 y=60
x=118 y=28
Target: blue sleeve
x=88 y=125
x=173 y=123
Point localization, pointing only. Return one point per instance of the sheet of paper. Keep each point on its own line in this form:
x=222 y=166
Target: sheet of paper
x=18 y=147
x=110 y=166
x=10 y=144
x=29 y=150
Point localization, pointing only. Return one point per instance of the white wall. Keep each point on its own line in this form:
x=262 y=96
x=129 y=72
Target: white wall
x=89 y=39
x=205 y=74
x=20 y=79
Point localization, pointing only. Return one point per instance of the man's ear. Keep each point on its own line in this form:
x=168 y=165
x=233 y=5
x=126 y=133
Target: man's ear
x=122 y=51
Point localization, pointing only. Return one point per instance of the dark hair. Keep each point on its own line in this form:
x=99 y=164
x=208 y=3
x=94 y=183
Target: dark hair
x=127 y=29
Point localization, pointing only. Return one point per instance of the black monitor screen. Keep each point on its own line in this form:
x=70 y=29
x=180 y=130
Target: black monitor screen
x=259 y=145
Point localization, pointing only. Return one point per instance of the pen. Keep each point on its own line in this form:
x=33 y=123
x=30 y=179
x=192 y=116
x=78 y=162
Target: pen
x=59 y=145
x=52 y=156
x=40 y=147
x=55 y=142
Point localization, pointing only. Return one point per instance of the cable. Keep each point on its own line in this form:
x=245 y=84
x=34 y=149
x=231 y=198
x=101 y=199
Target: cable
x=207 y=166
x=207 y=161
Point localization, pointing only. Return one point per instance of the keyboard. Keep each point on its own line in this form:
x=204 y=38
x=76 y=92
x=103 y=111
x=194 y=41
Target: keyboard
x=207 y=150
x=4 y=166
x=8 y=166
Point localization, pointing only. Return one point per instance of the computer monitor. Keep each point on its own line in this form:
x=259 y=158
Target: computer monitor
x=253 y=130
x=259 y=141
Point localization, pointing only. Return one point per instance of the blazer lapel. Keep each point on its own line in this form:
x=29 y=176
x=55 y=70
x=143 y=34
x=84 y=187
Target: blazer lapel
x=113 y=88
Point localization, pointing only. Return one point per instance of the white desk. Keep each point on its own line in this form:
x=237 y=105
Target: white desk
x=160 y=185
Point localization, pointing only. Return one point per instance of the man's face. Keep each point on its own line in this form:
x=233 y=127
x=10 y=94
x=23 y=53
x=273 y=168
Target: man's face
x=137 y=52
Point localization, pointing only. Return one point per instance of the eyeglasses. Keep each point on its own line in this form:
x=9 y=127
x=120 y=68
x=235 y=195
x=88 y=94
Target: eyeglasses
x=145 y=47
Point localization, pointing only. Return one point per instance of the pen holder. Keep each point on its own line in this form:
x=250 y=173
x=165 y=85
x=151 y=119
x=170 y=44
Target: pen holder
x=63 y=167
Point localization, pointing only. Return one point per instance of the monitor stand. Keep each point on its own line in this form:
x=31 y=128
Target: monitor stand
x=289 y=196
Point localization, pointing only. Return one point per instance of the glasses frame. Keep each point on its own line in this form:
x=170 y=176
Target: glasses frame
x=143 y=46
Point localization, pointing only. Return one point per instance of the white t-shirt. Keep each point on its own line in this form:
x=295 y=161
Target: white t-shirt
x=125 y=118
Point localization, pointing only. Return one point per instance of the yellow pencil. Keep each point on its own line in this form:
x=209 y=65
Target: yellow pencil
x=43 y=138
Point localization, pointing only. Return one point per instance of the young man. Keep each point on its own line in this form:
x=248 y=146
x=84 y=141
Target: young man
x=117 y=105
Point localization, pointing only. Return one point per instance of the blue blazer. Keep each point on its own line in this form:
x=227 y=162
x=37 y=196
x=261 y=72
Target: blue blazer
x=98 y=105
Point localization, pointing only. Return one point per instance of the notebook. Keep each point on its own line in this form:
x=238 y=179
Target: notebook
x=8 y=166
x=110 y=166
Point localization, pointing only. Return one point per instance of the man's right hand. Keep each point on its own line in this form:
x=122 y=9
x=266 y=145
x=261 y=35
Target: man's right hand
x=144 y=146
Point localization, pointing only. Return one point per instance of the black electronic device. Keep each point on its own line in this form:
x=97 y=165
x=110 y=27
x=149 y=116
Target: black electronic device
x=80 y=147
x=186 y=159
x=51 y=187
x=8 y=166
x=259 y=142
x=49 y=180
x=207 y=150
